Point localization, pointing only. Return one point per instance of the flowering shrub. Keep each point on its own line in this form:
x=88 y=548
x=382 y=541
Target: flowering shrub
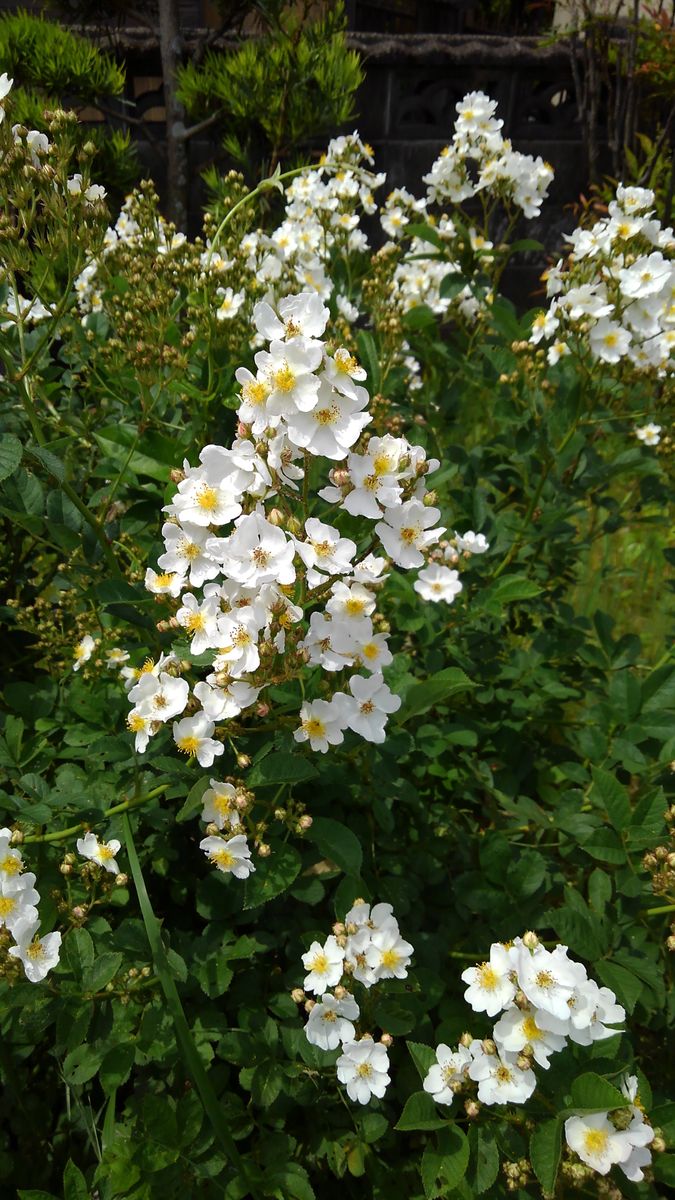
x=330 y=696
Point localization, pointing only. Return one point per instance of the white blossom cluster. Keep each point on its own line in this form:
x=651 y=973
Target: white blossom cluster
x=480 y=159
x=244 y=588
x=366 y=948
x=545 y=999
x=19 y=899
x=615 y=297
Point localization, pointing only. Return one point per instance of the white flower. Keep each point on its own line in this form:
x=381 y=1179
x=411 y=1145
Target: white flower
x=102 y=853
x=256 y=553
x=11 y=862
x=232 y=856
x=499 y=1079
x=609 y=341
x=199 y=620
x=193 y=737
x=37 y=954
x=388 y=955
x=116 y=657
x=324 y=965
x=185 y=553
x=647 y=276
x=641 y=1134
x=219 y=804
x=471 y=543
x=367 y=709
x=18 y=901
x=438 y=583
x=167 y=584
x=159 y=697
x=518 y=1028
x=597 y=1142
x=331 y=1021
x=547 y=978
x=491 y=987
x=230 y=303
x=321 y=724
x=450 y=1067
x=83 y=651
x=405 y=532
x=649 y=434
x=5 y=88
x=331 y=427
x=288 y=371
x=363 y=1066
x=377 y=917
x=303 y=315
x=324 y=551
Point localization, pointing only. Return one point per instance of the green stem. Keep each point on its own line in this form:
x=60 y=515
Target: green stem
x=193 y=1062
x=662 y=908
x=122 y=807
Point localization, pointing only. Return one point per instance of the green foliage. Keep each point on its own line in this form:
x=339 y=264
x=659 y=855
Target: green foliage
x=275 y=92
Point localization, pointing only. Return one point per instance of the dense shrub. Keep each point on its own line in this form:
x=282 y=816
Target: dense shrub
x=488 y=830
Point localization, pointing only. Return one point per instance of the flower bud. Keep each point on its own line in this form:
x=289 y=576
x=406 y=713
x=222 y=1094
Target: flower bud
x=309 y=1005
x=297 y=995
x=212 y=829
x=264 y=850
x=429 y=499
x=243 y=761
x=276 y=517
x=305 y=821
x=176 y=475
x=132 y=972
x=488 y=1046
x=339 y=992
x=524 y=1061
x=65 y=868
x=386 y=1039
x=78 y=913
x=466 y=1039
x=16 y=838
x=472 y=1109
x=146 y=972
x=658 y=1144
x=530 y=940
x=121 y=880
x=338 y=928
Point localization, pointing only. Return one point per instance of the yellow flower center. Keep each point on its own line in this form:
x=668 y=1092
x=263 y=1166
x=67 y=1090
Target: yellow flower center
x=610 y=339
x=487 y=977
x=545 y=980
x=364 y=1070
x=314 y=727
x=195 y=622
x=354 y=606
x=346 y=363
x=207 y=499
x=164 y=580
x=409 y=534
x=370 y=651
x=136 y=723
x=190 y=550
x=319 y=964
x=531 y=1030
x=36 y=950
x=223 y=805
x=595 y=1141
x=284 y=379
x=188 y=745
x=10 y=864
x=105 y=853
x=390 y=959
x=255 y=392
x=327 y=416
x=503 y=1075
x=222 y=859
x=329 y=1015
x=7 y=906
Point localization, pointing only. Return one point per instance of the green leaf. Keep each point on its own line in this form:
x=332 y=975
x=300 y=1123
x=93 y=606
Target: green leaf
x=193 y=803
x=609 y=795
x=422 y=696
x=592 y=1093
x=11 y=451
x=81 y=1065
x=100 y=973
x=420 y=1112
x=451 y=285
x=281 y=768
x=444 y=1166
x=266 y=1083
x=484 y=1159
x=272 y=876
x=116 y=1067
x=545 y=1151
x=33 y=1194
x=605 y=845
x=370 y=360
x=506 y=591
x=338 y=843
x=626 y=985
x=78 y=951
x=423 y=1057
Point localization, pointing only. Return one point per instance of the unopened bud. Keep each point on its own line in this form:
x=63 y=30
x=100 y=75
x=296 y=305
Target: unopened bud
x=530 y=940
x=309 y=1005
x=523 y=1062
x=121 y=880
x=146 y=972
x=212 y=829
x=338 y=928
x=262 y=710
x=472 y=1109
x=658 y=1144
x=276 y=517
x=176 y=475
x=488 y=1046
x=264 y=850
x=339 y=992
x=16 y=838
x=78 y=913
x=241 y=802
x=65 y=868
x=305 y=821
x=280 y=814
x=243 y=761
x=466 y=1039
x=297 y=996
x=132 y=972
x=429 y=499
x=386 y=1039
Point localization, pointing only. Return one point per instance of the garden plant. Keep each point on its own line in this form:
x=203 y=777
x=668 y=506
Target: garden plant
x=338 y=854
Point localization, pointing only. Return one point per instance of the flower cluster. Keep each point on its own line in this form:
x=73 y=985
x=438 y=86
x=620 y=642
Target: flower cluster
x=615 y=295
x=19 y=899
x=545 y=999
x=368 y=949
x=480 y=158
x=275 y=593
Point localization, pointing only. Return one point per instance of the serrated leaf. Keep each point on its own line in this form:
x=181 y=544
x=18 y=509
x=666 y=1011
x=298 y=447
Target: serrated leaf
x=420 y=1112
x=337 y=842
x=101 y=971
x=423 y=1057
x=11 y=451
x=627 y=986
x=592 y=1093
x=484 y=1159
x=507 y=591
x=422 y=696
x=193 y=802
x=545 y=1151
x=272 y=876
x=282 y=767
x=609 y=795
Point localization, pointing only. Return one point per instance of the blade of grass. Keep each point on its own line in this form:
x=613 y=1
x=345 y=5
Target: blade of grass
x=186 y=1042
